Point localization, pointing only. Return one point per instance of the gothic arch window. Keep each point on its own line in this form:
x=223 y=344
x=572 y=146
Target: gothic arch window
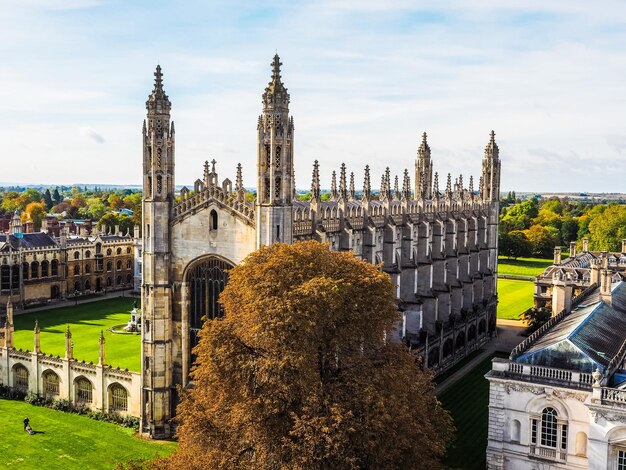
x=118 y=265
x=268 y=156
x=129 y=264
x=76 y=270
x=87 y=254
x=206 y=281
x=83 y=391
x=87 y=268
x=460 y=340
x=76 y=255
x=5 y=277
x=119 y=251
x=278 y=150
x=128 y=250
x=20 y=377
x=109 y=266
x=109 y=252
x=51 y=383
x=54 y=268
x=448 y=347
x=213 y=219
x=44 y=268
x=34 y=270
x=118 y=398
x=433 y=357
x=98 y=248
x=26 y=270
x=277 y=189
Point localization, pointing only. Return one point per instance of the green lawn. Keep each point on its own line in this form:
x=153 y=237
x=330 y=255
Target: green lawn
x=467 y=401
x=67 y=441
x=514 y=297
x=86 y=321
x=523 y=266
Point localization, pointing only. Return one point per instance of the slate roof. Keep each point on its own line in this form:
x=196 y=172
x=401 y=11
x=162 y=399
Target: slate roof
x=587 y=338
x=28 y=240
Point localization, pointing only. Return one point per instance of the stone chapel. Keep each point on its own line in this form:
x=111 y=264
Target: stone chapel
x=438 y=245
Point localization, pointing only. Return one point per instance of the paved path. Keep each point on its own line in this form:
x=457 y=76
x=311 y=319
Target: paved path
x=72 y=302
x=508 y=337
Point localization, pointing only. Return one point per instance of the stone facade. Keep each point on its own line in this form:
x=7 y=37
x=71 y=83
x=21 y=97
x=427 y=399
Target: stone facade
x=559 y=401
x=97 y=386
x=439 y=247
x=37 y=268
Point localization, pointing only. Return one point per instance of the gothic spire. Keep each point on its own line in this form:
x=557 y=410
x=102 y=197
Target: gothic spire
x=276 y=95
x=352 y=192
x=449 y=185
x=367 y=185
x=396 y=189
x=436 y=185
x=343 y=190
x=239 y=179
x=471 y=186
x=424 y=149
x=315 y=181
x=206 y=172
x=492 y=150
x=158 y=101
x=333 y=186
x=406 y=185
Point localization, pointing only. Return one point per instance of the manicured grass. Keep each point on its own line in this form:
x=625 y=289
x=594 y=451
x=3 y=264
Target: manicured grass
x=468 y=401
x=86 y=321
x=514 y=297
x=458 y=366
x=68 y=441
x=523 y=266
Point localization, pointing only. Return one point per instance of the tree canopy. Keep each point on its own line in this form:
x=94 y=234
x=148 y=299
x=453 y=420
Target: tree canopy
x=302 y=373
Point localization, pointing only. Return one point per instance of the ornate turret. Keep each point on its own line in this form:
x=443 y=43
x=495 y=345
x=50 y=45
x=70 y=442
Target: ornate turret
x=69 y=346
x=275 y=182
x=491 y=171
x=239 y=189
x=423 y=171
x=333 y=186
x=352 y=192
x=315 y=182
x=15 y=226
x=406 y=185
x=101 y=349
x=367 y=185
x=36 y=334
x=8 y=326
x=343 y=188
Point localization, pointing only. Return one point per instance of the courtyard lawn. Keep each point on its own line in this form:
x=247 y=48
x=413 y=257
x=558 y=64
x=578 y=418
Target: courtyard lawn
x=86 y=321
x=68 y=441
x=522 y=266
x=467 y=401
x=514 y=297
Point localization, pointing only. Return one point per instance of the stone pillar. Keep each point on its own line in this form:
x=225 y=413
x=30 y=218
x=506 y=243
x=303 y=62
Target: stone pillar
x=37 y=348
x=572 y=249
x=69 y=347
x=557 y=255
x=8 y=327
x=101 y=351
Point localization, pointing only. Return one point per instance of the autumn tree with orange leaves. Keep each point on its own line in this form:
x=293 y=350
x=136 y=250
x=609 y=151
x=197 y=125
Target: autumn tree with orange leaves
x=302 y=373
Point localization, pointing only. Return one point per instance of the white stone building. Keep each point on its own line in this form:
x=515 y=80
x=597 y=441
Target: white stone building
x=97 y=386
x=559 y=401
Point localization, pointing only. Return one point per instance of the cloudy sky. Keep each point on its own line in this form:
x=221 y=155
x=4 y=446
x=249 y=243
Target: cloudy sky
x=366 y=78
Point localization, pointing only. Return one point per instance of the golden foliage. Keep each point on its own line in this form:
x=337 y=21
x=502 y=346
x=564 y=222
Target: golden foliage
x=299 y=374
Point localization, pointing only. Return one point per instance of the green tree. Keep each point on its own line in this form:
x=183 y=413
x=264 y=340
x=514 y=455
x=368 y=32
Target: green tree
x=608 y=228
x=514 y=245
x=56 y=196
x=48 y=199
x=542 y=240
x=299 y=373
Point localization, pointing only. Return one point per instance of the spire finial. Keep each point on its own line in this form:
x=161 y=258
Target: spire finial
x=343 y=190
x=352 y=193
x=276 y=63
x=493 y=136
x=333 y=186
x=406 y=185
x=492 y=151
x=396 y=189
x=315 y=181
x=436 y=185
x=449 y=185
x=239 y=179
x=206 y=171
x=158 y=79
x=367 y=185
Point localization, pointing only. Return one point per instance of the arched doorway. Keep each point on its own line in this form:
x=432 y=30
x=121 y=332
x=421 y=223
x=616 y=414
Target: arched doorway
x=206 y=280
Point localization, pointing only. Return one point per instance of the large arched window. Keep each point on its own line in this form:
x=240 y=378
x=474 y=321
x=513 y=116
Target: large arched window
x=118 y=398
x=83 y=390
x=20 y=377
x=54 y=268
x=51 y=383
x=34 y=270
x=206 y=281
x=76 y=254
x=548 y=427
x=118 y=265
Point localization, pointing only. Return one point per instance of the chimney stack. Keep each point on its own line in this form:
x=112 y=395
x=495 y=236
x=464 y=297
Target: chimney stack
x=585 y=245
x=561 y=293
x=572 y=249
x=557 y=255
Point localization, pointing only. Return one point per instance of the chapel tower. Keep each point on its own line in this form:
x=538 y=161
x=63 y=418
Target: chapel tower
x=275 y=183
x=423 y=171
x=156 y=299
x=490 y=190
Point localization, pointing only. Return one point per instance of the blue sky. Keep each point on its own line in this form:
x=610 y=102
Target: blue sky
x=366 y=78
